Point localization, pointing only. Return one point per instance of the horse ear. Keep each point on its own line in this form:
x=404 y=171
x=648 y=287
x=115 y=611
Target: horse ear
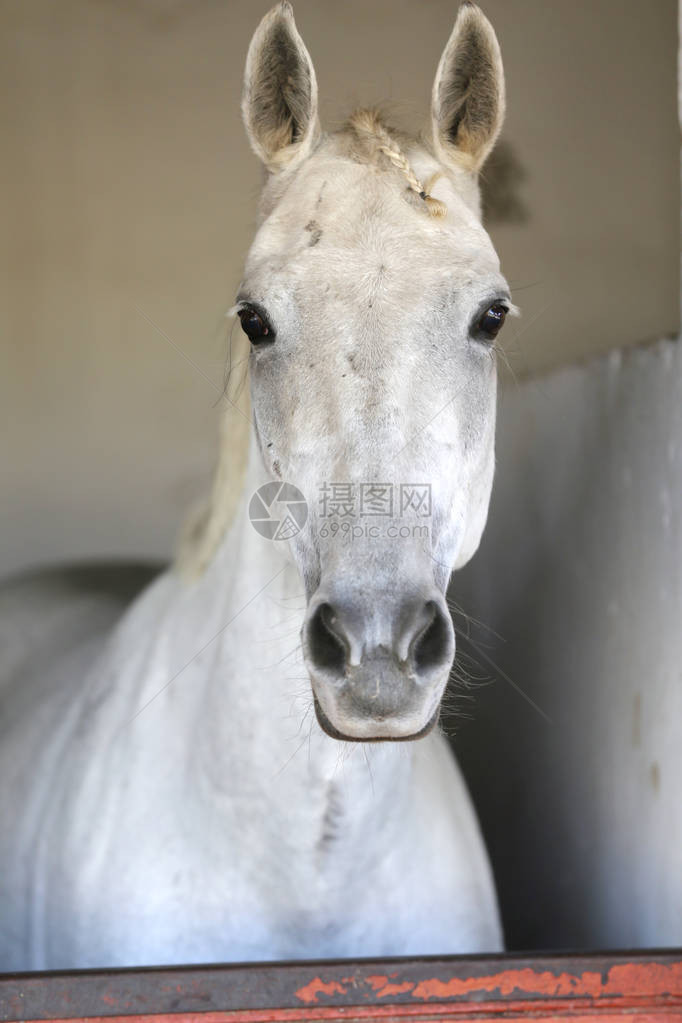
x=279 y=102
x=467 y=105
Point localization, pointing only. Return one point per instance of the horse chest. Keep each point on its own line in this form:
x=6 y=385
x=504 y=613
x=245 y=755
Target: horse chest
x=199 y=887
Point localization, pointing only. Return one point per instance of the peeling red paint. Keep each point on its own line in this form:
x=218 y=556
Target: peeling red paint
x=310 y=992
x=383 y=989
x=589 y=989
x=376 y=980
x=492 y=1012
x=652 y=979
x=506 y=982
x=649 y=979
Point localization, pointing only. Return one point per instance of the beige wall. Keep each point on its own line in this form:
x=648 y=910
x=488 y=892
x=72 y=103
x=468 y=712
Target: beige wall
x=129 y=186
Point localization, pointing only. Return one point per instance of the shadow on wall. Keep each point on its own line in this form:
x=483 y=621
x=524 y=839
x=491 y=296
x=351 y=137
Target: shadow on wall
x=502 y=182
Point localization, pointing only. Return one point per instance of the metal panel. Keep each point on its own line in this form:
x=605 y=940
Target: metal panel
x=589 y=988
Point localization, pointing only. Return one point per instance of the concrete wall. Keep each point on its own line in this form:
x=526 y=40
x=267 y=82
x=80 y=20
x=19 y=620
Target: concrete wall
x=579 y=781
x=130 y=195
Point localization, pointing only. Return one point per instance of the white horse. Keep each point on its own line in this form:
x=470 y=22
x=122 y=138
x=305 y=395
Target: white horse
x=177 y=784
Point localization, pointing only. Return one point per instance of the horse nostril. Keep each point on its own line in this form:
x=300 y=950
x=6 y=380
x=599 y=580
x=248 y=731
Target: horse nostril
x=416 y=636
x=326 y=642
x=433 y=645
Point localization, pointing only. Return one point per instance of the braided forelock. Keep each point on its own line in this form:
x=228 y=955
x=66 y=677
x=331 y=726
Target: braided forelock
x=368 y=127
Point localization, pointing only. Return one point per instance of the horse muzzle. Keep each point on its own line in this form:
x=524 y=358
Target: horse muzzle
x=378 y=663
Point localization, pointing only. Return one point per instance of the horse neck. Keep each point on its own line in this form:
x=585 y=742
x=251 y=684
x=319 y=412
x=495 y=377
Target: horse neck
x=253 y=707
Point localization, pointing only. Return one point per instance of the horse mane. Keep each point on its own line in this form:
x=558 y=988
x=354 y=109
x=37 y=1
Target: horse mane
x=209 y=520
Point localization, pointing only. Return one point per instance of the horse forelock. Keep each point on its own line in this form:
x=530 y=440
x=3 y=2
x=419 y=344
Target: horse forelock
x=370 y=139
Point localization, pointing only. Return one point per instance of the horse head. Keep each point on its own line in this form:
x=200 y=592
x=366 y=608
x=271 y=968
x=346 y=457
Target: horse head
x=372 y=297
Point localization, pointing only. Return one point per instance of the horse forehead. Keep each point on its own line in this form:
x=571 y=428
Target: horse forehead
x=355 y=222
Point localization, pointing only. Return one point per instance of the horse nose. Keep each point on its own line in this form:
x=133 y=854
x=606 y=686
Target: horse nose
x=417 y=633
x=378 y=662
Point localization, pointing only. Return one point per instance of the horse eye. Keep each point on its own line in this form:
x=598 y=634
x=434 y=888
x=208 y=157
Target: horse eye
x=490 y=324
x=253 y=325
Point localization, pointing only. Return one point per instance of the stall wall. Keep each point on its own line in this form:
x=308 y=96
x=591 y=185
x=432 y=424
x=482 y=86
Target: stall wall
x=574 y=750
x=130 y=196
x=130 y=200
